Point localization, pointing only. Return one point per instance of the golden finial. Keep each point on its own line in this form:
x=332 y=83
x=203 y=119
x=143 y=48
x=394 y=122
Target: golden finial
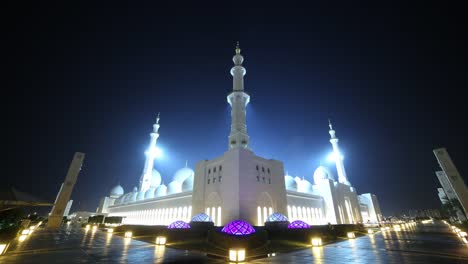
x=238 y=50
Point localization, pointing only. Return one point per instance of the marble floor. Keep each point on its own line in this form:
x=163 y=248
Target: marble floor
x=424 y=243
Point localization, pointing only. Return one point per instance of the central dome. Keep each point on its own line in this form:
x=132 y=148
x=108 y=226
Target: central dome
x=238 y=228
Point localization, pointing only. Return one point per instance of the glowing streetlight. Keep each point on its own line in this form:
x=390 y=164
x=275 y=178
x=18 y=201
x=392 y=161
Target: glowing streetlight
x=128 y=234
x=351 y=235
x=160 y=240
x=316 y=241
x=236 y=254
x=3 y=248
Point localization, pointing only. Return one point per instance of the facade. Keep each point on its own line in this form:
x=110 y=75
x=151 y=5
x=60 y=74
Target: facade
x=451 y=181
x=239 y=184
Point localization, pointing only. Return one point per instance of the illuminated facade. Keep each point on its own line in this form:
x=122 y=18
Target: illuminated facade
x=238 y=184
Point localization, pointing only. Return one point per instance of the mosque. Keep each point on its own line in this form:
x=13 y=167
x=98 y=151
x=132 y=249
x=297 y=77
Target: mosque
x=241 y=185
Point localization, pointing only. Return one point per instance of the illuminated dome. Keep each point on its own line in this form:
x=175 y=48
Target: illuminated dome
x=116 y=192
x=178 y=224
x=119 y=200
x=277 y=217
x=290 y=183
x=174 y=187
x=149 y=194
x=303 y=186
x=201 y=218
x=182 y=174
x=238 y=228
x=161 y=190
x=187 y=185
x=155 y=179
x=298 y=224
x=140 y=196
x=322 y=173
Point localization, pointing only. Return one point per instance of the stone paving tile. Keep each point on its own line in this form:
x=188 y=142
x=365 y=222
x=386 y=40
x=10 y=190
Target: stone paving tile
x=423 y=244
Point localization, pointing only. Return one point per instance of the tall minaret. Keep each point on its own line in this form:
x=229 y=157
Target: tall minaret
x=338 y=157
x=238 y=100
x=145 y=179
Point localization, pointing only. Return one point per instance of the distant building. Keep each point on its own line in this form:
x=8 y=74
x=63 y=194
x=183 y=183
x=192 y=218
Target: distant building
x=451 y=181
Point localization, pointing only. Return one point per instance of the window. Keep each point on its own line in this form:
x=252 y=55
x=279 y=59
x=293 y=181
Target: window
x=209 y=171
x=219 y=178
x=233 y=142
x=214 y=169
x=263 y=179
x=269 y=181
x=220 y=168
x=208 y=181
x=214 y=180
x=268 y=170
x=257 y=167
x=263 y=169
x=258 y=178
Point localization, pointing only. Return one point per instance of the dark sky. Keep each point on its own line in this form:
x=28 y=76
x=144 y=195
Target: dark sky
x=91 y=78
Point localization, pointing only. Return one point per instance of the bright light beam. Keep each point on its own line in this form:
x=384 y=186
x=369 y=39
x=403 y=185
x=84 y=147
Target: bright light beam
x=155 y=152
x=332 y=157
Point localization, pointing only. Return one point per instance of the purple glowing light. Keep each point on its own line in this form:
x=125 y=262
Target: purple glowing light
x=238 y=228
x=201 y=218
x=298 y=224
x=277 y=217
x=178 y=224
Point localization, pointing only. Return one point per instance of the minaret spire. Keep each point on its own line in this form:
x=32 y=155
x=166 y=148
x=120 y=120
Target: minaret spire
x=238 y=99
x=338 y=157
x=151 y=153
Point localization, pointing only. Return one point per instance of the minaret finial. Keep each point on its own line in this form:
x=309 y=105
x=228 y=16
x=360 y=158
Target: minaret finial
x=186 y=163
x=238 y=50
x=157 y=118
x=330 y=124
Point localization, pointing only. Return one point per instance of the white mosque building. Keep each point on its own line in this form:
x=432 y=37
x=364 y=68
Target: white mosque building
x=241 y=185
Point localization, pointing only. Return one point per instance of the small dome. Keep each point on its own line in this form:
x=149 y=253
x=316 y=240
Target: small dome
x=238 y=228
x=149 y=194
x=187 y=185
x=119 y=200
x=174 y=187
x=178 y=224
x=129 y=197
x=290 y=183
x=322 y=173
x=182 y=174
x=135 y=189
x=201 y=218
x=116 y=192
x=304 y=186
x=140 y=196
x=277 y=217
x=155 y=179
x=298 y=224
x=161 y=190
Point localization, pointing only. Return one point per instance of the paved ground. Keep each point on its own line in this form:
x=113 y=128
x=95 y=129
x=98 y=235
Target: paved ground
x=428 y=243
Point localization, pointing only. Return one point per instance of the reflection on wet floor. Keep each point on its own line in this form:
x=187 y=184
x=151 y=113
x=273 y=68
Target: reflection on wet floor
x=424 y=243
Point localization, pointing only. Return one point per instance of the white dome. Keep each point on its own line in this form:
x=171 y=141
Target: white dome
x=187 y=185
x=322 y=173
x=116 y=192
x=140 y=196
x=290 y=183
x=129 y=197
x=161 y=190
x=174 y=187
x=155 y=179
x=305 y=186
x=183 y=174
x=149 y=194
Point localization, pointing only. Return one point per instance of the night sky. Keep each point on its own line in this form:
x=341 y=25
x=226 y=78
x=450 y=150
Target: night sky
x=92 y=78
